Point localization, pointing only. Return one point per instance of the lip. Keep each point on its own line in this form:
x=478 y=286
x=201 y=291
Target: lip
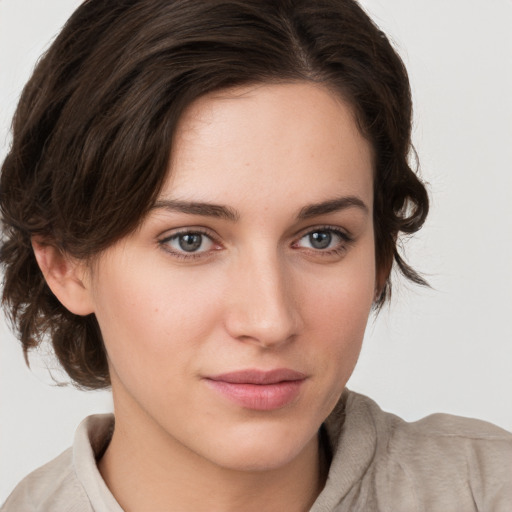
x=259 y=390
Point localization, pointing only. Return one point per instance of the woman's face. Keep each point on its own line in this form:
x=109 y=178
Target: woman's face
x=234 y=316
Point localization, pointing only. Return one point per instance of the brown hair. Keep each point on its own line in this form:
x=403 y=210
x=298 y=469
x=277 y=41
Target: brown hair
x=92 y=132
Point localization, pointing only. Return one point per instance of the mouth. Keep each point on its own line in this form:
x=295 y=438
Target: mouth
x=259 y=390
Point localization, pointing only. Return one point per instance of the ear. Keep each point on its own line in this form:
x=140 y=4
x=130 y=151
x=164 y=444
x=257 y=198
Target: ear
x=66 y=277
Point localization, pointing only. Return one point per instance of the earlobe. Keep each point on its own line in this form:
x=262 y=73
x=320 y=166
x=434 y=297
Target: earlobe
x=65 y=276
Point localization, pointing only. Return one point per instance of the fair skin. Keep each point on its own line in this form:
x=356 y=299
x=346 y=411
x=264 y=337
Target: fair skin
x=279 y=274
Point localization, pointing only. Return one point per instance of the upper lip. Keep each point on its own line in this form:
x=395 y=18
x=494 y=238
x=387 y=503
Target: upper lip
x=253 y=376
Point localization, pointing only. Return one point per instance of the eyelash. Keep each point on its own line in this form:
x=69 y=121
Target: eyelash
x=346 y=240
x=164 y=243
x=339 y=249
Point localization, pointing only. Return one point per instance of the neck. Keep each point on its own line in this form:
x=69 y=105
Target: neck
x=146 y=469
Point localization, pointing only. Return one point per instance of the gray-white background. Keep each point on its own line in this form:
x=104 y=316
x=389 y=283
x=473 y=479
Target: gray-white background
x=448 y=349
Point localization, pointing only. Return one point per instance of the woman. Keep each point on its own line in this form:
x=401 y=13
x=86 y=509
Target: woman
x=201 y=206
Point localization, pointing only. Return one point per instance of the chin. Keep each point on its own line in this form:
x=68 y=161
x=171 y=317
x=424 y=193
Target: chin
x=262 y=449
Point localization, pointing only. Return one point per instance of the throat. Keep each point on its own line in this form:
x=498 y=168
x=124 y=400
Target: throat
x=140 y=481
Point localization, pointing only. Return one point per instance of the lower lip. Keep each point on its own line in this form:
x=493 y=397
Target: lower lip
x=259 y=397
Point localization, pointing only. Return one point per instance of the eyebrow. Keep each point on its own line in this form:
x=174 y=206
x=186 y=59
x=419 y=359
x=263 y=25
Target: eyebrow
x=225 y=212
x=197 y=208
x=331 y=206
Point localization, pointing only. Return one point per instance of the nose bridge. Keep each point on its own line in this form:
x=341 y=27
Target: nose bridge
x=262 y=307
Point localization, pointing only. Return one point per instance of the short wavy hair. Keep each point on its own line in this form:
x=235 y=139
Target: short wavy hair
x=93 y=129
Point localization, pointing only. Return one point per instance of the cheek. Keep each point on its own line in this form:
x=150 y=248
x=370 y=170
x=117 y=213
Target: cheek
x=152 y=321
x=337 y=309
x=344 y=293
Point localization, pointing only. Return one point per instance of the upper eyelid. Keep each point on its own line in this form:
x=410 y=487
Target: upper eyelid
x=172 y=233
x=323 y=227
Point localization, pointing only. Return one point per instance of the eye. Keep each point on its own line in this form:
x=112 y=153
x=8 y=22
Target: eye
x=188 y=243
x=326 y=239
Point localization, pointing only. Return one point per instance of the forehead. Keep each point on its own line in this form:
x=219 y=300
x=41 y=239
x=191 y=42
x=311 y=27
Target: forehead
x=296 y=141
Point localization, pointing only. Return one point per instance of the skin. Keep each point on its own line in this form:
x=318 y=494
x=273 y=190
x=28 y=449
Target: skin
x=257 y=294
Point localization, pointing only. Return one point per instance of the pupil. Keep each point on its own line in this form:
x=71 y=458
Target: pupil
x=190 y=242
x=320 y=239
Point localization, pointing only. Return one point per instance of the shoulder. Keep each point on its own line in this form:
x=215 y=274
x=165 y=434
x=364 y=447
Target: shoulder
x=433 y=429
x=53 y=486
x=71 y=482
x=443 y=458
x=448 y=440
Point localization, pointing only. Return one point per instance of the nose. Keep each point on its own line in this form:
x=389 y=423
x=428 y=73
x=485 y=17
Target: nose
x=262 y=308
